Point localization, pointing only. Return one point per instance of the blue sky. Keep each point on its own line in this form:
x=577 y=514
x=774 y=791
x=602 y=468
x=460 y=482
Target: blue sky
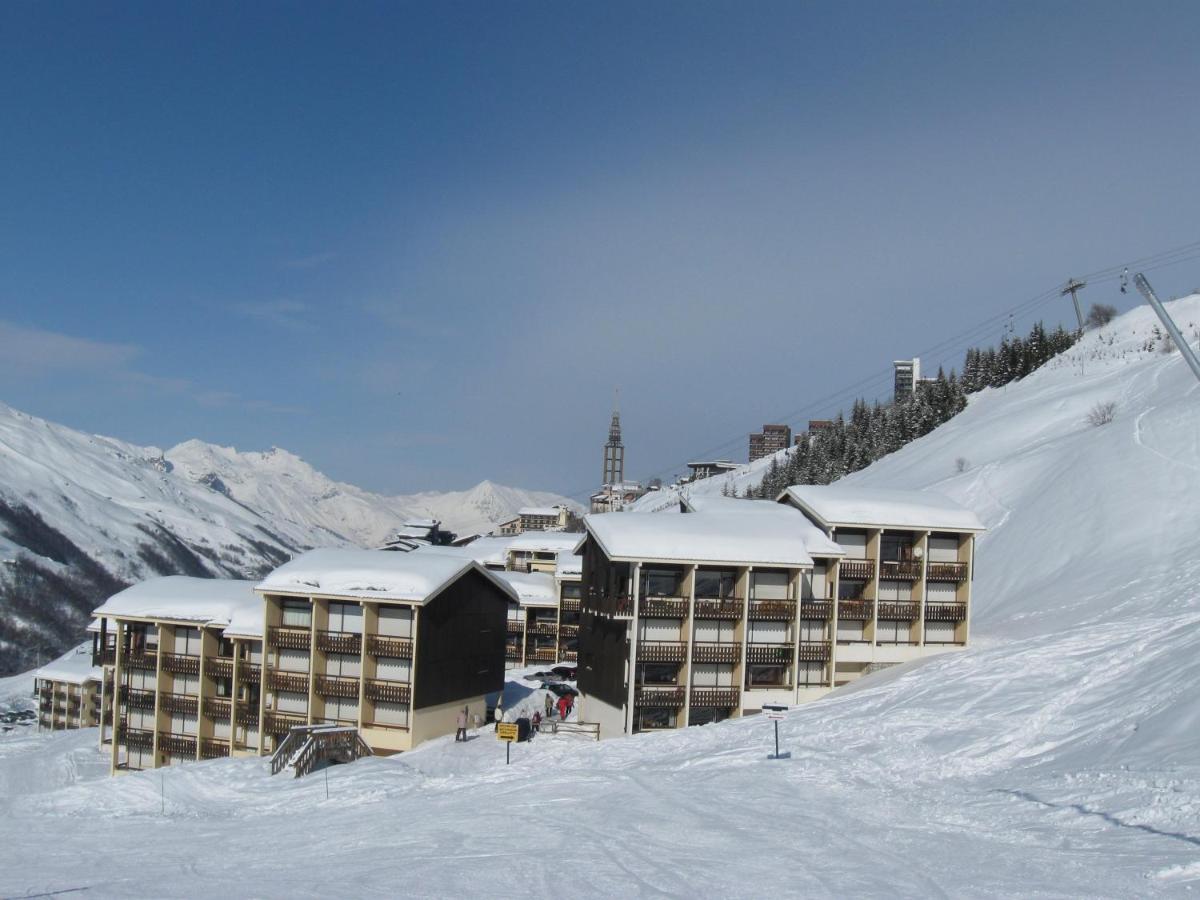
x=419 y=245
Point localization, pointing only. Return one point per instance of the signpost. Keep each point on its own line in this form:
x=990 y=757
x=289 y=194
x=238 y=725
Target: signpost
x=775 y=711
x=507 y=732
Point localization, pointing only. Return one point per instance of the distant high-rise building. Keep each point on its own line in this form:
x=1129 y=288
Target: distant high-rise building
x=614 y=452
x=770 y=440
x=908 y=374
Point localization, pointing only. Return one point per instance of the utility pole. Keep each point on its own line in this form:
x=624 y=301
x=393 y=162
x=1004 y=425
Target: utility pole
x=1072 y=288
x=1185 y=348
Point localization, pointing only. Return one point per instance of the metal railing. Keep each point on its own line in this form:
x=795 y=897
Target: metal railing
x=662 y=651
x=179 y=664
x=287 y=638
x=946 y=571
x=387 y=691
x=772 y=609
x=378 y=645
x=714 y=608
x=670 y=697
x=945 y=612
x=720 y=698
x=339 y=641
x=716 y=653
x=770 y=654
x=335 y=686
x=857 y=569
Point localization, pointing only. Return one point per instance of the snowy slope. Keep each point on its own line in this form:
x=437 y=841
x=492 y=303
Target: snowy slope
x=1058 y=756
x=81 y=514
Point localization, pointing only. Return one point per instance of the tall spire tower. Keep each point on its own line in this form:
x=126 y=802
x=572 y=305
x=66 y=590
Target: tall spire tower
x=614 y=450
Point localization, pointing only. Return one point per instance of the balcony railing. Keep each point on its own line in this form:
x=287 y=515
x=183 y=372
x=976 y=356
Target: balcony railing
x=542 y=628
x=143 y=700
x=288 y=638
x=716 y=653
x=568 y=655
x=712 y=608
x=662 y=651
x=179 y=664
x=388 y=691
x=816 y=609
x=904 y=611
x=105 y=657
x=568 y=630
x=136 y=738
x=378 y=645
x=334 y=686
x=542 y=654
x=213 y=749
x=217 y=709
x=512 y=651
x=176 y=744
x=296 y=682
x=945 y=612
x=859 y=610
x=515 y=626
x=251 y=673
x=247 y=716
x=570 y=604
x=280 y=723
x=218 y=667
x=670 y=697
x=814 y=651
x=776 y=610
x=775 y=654
x=146 y=660
x=721 y=698
x=181 y=704
x=339 y=641
x=857 y=569
x=663 y=608
x=900 y=569
x=946 y=571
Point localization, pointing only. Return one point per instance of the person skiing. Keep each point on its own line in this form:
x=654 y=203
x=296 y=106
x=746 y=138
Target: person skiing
x=461 y=734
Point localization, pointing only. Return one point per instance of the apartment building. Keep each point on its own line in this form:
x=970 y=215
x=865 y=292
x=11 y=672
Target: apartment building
x=538 y=551
x=568 y=573
x=903 y=587
x=771 y=439
x=69 y=691
x=731 y=604
x=532 y=634
x=546 y=575
x=394 y=644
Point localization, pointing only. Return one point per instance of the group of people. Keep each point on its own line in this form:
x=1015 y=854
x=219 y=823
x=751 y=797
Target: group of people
x=564 y=706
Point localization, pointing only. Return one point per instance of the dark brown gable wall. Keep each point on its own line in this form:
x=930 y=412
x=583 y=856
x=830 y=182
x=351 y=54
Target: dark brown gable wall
x=603 y=651
x=460 y=643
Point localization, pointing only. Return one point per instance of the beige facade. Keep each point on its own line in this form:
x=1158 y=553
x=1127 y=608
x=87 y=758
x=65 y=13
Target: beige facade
x=67 y=704
x=544 y=629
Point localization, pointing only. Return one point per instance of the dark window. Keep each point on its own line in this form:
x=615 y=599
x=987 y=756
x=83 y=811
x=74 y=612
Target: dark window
x=703 y=715
x=572 y=590
x=660 y=583
x=851 y=590
x=767 y=676
x=896 y=547
x=224 y=646
x=659 y=673
x=715 y=584
x=650 y=719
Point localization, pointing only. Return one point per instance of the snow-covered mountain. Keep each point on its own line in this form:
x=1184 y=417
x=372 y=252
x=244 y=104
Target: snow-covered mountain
x=1055 y=757
x=82 y=514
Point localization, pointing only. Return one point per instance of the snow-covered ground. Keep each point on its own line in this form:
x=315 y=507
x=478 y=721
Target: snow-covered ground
x=1056 y=757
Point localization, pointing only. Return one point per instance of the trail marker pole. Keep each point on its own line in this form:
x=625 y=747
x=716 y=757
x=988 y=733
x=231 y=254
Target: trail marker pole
x=775 y=711
x=1189 y=355
x=326 y=781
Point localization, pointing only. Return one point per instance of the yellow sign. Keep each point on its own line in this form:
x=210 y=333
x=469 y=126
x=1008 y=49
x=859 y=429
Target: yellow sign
x=506 y=731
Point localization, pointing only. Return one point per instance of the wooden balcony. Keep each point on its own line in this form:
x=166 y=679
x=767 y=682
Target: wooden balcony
x=296 y=682
x=568 y=655
x=217 y=709
x=378 y=645
x=279 y=723
x=288 y=638
x=729 y=608
x=856 y=610
x=213 y=749
x=176 y=744
x=772 y=654
x=136 y=738
x=247 y=716
x=388 y=691
x=335 y=686
x=814 y=651
x=178 y=664
x=218 y=667
x=251 y=673
x=147 y=661
x=816 y=609
x=659 y=697
x=856 y=570
x=143 y=700
x=904 y=611
x=720 y=698
x=946 y=571
x=662 y=651
x=515 y=626
x=945 y=612
x=773 y=610
x=105 y=657
x=339 y=642
x=663 y=608
x=542 y=654
x=568 y=630
x=716 y=653
x=180 y=704
x=570 y=604
x=550 y=628
x=513 y=651
x=900 y=569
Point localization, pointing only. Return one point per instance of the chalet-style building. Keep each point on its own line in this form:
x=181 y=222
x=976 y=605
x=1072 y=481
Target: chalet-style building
x=708 y=469
x=731 y=604
x=69 y=691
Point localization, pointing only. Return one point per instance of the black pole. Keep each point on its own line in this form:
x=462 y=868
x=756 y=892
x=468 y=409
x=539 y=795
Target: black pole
x=777 y=739
x=507 y=747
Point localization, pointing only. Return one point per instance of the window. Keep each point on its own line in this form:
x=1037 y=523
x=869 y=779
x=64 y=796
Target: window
x=392 y=668
x=703 y=715
x=850 y=631
x=762 y=632
x=766 y=676
x=943 y=548
x=224 y=647
x=658 y=673
x=652 y=719
x=395 y=621
x=712 y=675
x=185 y=684
x=187 y=641
x=895 y=592
x=395 y=714
x=891 y=631
x=939 y=633
x=853 y=542
x=769 y=585
x=811 y=674
x=223 y=686
x=941 y=592
x=345 y=617
x=715 y=631
x=813 y=585
x=812 y=630
x=851 y=590
x=293 y=660
x=345 y=665
x=896 y=547
x=572 y=590
x=291 y=702
x=658 y=630
x=342 y=708
x=297 y=614
x=661 y=583
x=715 y=584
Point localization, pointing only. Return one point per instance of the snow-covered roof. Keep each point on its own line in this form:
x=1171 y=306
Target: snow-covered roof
x=375 y=574
x=545 y=541
x=567 y=565
x=538 y=511
x=713 y=463
x=534 y=588
x=427 y=524
x=206 y=601
x=73 y=667
x=788 y=518
x=491 y=551
x=833 y=505
x=716 y=537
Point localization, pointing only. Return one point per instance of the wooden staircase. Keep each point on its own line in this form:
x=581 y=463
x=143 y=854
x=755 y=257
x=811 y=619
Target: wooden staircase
x=307 y=746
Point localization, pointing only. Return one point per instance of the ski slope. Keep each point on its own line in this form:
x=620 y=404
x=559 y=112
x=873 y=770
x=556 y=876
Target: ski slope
x=1058 y=756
